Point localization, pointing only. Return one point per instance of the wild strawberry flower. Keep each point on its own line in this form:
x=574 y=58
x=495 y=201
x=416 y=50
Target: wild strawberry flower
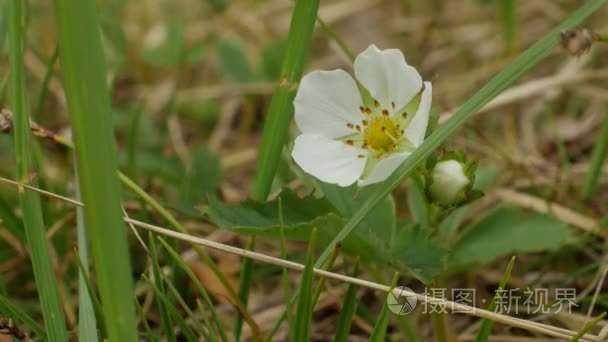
x=361 y=131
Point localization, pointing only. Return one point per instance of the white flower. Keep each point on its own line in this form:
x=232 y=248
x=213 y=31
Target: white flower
x=449 y=182
x=361 y=131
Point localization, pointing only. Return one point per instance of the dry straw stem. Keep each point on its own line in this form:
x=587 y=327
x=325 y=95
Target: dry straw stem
x=452 y=306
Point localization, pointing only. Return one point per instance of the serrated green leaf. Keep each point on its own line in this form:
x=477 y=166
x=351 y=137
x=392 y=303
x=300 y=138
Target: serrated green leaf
x=372 y=240
x=422 y=254
x=506 y=230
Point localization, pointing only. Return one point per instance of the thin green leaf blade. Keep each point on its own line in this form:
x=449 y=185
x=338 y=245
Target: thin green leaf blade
x=280 y=110
x=349 y=306
x=486 y=324
x=46 y=282
x=84 y=71
x=379 y=331
x=303 y=317
x=87 y=323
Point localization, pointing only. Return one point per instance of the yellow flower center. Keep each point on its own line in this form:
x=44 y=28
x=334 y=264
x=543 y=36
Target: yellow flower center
x=382 y=133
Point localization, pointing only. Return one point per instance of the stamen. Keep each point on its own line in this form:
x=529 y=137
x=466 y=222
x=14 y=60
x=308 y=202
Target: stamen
x=364 y=122
x=364 y=144
x=361 y=156
x=368 y=111
x=393 y=104
x=358 y=128
x=350 y=142
x=350 y=125
x=404 y=115
x=376 y=103
x=385 y=112
x=362 y=109
x=395 y=140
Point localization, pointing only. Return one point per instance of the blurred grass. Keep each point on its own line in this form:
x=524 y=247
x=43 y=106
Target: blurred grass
x=33 y=222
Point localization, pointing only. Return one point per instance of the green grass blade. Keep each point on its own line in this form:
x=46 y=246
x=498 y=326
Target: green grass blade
x=382 y=322
x=158 y=279
x=172 y=310
x=87 y=323
x=284 y=273
x=21 y=316
x=201 y=252
x=244 y=286
x=200 y=329
x=46 y=283
x=94 y=299
x=600 y=151
x=301 y=331
x=84 y=71
x=44 y=87
x=208 y=325
x=349 y=307
x=508 y=17
x=321 y=284
x=495 y=86
x=144 y=321
x=588 y=327
x=200 y=288
x=280 y=111
x=486 y=325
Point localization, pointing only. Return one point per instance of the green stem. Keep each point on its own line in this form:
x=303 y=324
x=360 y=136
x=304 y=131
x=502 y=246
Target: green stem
x=280 y=111
x=46 y=282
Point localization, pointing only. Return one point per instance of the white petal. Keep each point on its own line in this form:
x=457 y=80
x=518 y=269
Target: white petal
x=329 y=160
x=384 y=168
x=416 y=130
x=386 y=75
x=326 y=101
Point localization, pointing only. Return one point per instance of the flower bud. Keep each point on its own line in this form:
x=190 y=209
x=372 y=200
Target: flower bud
x=449 y=182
